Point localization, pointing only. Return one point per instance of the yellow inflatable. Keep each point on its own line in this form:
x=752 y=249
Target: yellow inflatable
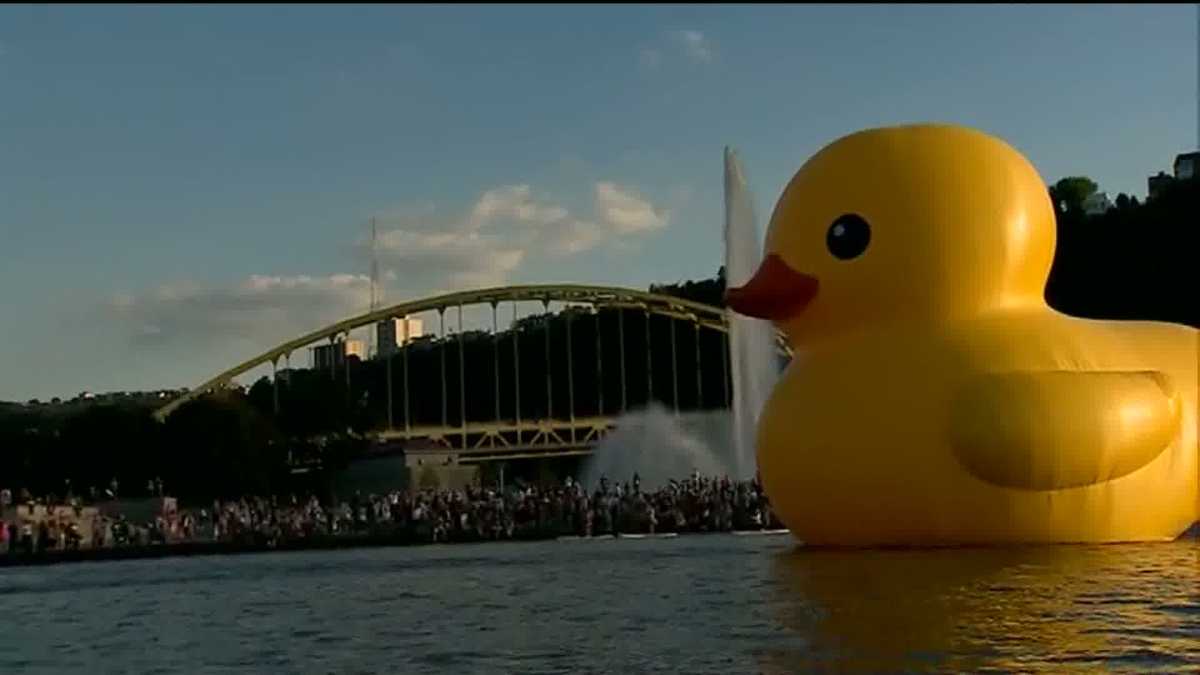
x=935 y=399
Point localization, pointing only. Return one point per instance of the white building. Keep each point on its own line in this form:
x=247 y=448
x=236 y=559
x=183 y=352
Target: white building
x=1096 y=203
x=392 y=334
x=335 y=354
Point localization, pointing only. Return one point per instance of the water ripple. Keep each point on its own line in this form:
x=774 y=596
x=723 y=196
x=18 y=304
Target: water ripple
x=692 y=604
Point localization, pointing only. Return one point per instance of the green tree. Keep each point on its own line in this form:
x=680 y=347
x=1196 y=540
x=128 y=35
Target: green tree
x=1069 y=193
x=222 y=445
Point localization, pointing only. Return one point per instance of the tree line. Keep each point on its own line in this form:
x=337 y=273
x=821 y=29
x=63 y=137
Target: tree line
x=1134 y=261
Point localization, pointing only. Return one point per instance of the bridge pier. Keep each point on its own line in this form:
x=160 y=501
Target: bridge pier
x=674 y=368
x=516 y=333
x=275 y=386
x=496 y=364
x=570 y=378
x=442 y=355
x=549 y=388
x=725 y=366
x=462 y=380
x=649 y=363
x=404 y=357
x=440 y=470
x=501 y=474
x=699 y=369
x=388 y=377
x=599 y=366
x=332 y=359
x=621 y=356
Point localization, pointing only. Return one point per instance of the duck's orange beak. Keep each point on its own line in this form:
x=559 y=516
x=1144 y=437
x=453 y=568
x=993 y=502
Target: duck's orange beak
x=775 y=292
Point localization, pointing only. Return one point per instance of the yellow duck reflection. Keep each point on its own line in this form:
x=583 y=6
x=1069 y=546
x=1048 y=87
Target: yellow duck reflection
x=1016 y=609
x=936 y=398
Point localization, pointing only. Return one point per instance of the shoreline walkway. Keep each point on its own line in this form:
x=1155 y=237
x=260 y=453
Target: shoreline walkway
x=317 y=543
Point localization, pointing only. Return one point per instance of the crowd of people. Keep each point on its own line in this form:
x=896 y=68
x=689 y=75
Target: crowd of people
x=696 y=504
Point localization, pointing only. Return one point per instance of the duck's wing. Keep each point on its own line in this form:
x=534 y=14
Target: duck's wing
x=1059 y=429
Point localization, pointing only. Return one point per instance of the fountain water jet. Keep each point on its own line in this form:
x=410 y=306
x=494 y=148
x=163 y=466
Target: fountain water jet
x=660 y=446
x=754 y=367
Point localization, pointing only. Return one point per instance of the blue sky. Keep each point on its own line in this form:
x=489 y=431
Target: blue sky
x=181 y=187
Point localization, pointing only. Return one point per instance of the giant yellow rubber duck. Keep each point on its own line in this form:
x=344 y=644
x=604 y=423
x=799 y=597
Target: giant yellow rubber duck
x=935 y=398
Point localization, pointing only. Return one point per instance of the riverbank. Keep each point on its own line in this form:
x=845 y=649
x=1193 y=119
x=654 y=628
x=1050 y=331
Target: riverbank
x=319 y=543
x=202 y=548
x=328 y=543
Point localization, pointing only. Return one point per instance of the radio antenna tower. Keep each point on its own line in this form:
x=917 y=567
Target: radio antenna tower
x=374 y=267
x=374 y=284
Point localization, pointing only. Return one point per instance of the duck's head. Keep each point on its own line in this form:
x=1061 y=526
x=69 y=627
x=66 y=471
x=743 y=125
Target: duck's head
x=907 y=222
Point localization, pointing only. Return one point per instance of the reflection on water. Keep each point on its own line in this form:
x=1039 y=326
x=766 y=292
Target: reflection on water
x=1053 y=609
x=699 y=604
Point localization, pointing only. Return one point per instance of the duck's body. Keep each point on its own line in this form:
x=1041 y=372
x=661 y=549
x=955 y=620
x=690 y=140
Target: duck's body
x=982 y=416
x=1010 y=429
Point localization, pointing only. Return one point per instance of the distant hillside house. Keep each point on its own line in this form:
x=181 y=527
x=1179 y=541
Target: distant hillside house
x=1185 y=165
x=1156 y=184
x=1185 y=169
x=1097 y=203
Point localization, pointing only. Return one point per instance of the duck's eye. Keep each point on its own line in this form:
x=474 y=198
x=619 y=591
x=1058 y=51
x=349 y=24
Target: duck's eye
x=848 y=237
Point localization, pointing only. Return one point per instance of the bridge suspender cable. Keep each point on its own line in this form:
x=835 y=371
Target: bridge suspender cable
x=600 y=297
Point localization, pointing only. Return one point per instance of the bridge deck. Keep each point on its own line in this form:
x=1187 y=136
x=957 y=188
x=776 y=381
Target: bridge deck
x=505 y=439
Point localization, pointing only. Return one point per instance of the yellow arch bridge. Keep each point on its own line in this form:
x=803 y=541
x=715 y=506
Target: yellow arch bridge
x=555 y=433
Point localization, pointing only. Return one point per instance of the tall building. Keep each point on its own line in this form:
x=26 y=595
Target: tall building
x=1185 y=165
x=334 y=355
x=392 y=334
x=1157 y=184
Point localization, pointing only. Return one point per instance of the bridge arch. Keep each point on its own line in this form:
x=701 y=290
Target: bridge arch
x=599 y=297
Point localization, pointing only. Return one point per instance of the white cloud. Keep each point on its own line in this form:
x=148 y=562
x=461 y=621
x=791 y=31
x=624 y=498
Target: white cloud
x=695 y=45
x=684 y=44
x=447 y=260
x=515 y=202
x=481 y=248
x=505 y=227
x=625 y=212
x=650 y=59
x=487 y=245
x=574 y=236
x=262 y=309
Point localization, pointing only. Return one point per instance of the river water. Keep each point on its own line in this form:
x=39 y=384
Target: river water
x=698 y=604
